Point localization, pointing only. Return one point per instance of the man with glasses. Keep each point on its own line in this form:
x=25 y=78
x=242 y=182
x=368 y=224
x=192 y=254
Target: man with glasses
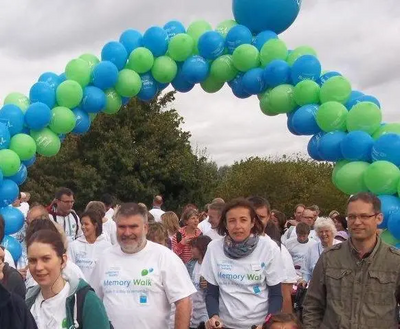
x=356 y=283
x=62 y=213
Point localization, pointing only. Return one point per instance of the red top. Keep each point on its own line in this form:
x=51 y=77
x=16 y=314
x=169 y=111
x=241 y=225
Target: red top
x=184 y=251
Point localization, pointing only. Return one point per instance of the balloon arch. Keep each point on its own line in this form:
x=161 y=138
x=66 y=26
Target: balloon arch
x=247 y=54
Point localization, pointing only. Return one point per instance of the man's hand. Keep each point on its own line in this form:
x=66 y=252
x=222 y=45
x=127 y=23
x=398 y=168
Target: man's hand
x=301 y=283
x=214 y=323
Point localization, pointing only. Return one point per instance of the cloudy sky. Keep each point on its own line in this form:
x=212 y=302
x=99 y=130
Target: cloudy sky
x=359 y=38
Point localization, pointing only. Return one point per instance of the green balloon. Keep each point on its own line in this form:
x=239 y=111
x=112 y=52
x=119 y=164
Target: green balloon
x=387 y=129
x=223 y=69
x=141 y=60
x=271 y=50
x=388 y=238
x=128 y=84
x=181 y=47
x=78 y=70
x=338 y=165
x=93 y=116
x=91 y=59
x=196 y=30
x=246 y=57
x=69 y=94
x=382 y=177
x=164 y=69
x=63 y=120
x=332 y=116
x=23 y=145
x=47 y=142
x=114 y=102
x=225 y=26
x=336 y=89
x=17 y=99
x=365 y=116
x=282 y=99
x=265 y=104
x=349 y=178
x=306 y=92
x=298 y=52
x=9 y=162
x=212 y=85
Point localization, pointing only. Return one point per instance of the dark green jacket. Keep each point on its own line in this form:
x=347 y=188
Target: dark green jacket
x=94 y=314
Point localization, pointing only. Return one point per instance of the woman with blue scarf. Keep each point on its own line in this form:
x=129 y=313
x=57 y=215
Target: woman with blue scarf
x=243 y=270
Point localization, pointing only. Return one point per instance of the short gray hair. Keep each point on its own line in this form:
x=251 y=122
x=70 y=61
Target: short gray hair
x=325 y=222
x=131 y=209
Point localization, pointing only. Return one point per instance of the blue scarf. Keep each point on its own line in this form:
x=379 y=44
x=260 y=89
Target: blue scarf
x=238 y=250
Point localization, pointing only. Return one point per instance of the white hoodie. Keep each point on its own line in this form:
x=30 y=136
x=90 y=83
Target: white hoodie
x=85 y=255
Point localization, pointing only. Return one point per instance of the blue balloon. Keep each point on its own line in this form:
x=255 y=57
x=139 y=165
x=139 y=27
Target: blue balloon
x=329 y=146
x=51 y=78
x=306 y=67
x=393 y=224
x=37 y=116
x=28 y=163
x=326 y=76
x=149 y=88
x=260 y=15
x=131 y=39
x=173 y=28
x=238 y=35
x=354 y=99
x=13 y=219
x=20 y=177
x=195 y=69
x=13 y=246
x=94 y=99
x=369 y=98
x=104 y=75
x=304 y=121
x=12 y=116
x=253 y=81
x=211 y=45
x=161 y=86
x=9 y=192
x=277 y=73
x=180 y=83
x=62 y=77
x=356 y=146
x=237 y=87
x=262 y=38
x=1 y=176
x=387 y=147
x=125 y=100
x=390 y=205
x=115 y=53
x=4 y=136
x=82 y=121
x=156 y=40
x=42 y=92
x=313 y=147
x=289 y=123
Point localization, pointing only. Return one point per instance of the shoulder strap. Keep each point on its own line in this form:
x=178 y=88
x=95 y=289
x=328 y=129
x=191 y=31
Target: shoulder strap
x=290 y=231
x=76 y=222
x=178 y=237
x=80 y=300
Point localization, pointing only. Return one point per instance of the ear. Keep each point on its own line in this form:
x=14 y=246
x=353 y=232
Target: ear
x=64 y=259
x=379 y=218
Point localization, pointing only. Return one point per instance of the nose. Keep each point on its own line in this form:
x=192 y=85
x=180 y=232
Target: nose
x=127 y=232
x=39 y=266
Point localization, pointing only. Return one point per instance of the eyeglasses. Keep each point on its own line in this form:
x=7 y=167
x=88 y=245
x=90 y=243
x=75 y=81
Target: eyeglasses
x=363 y=217
x=68 y=201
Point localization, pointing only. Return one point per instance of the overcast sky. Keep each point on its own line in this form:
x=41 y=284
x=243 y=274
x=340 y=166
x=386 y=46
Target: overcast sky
x=359 y=38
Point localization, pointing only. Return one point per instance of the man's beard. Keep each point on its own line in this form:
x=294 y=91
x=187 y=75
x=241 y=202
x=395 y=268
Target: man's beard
x=130 y=248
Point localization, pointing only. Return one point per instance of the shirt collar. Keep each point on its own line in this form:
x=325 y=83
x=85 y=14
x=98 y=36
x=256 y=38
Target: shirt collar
x=369 y=253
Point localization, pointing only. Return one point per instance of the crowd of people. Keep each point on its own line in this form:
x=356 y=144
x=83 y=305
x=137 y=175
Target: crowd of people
x=236 y=265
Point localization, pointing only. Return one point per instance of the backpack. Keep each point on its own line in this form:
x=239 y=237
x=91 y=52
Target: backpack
x=80 y=300
x=73 y=213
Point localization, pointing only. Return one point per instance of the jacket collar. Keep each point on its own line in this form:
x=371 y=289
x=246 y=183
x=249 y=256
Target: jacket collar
x=368 y=255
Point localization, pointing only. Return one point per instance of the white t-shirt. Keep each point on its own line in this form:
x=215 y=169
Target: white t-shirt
x=110 y=213
x=85 y=255
x=213 y=234
x=8 y=258
x=243 y=283
x=312 y=236
x=140 y=288
x=51 y=313
x=157 y=212
x=204 y=226
x=298 y=250
x=69 y=224
x=110 y=231
x=290 y=272
x=199 y=310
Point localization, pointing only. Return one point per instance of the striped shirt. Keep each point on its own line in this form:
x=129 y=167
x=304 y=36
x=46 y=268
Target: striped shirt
x=183 y=251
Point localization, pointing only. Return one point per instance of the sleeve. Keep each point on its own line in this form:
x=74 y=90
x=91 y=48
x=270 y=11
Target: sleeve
x=274 y=266
x=175 y=278
x=113 y=233
x=94 y=312
x=207 y=268
x=275 y=299
x=305 y=269
x=96 y=278
x=71 y=252
x=212 y=300
x=16 y=283
x=290 y=272
x=23 y=313
x=315 y=301
x=177 y=247
x=80 y=232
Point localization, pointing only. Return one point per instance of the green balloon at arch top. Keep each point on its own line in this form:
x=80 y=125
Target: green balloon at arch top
x=91 y=59
x=17 y=99
x=141 y=60
x=382 y=177
x=113 y=102
x=246 y=57
x=386 y=129
x=265 y=103
x=47 y=142
x=128 y=84
x=9 y=162
x=281 y=99
x=23 y=145
x=224 y=27
x=211 y=85
x=365 y=116
x=223 y=69
x=272 y=50
x=348 y=177
x=388 y=238
x=164 y=69
x=332 y=116
x=63 y=120
x=298 y=52
x=196 y=30
x=69 y=94
x=78 y=70
x=337 y=89
x=306 y=92
x=181 y=47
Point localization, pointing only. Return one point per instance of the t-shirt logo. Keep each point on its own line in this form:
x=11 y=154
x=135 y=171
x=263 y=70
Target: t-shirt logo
x=146 y=272
x=64 y=324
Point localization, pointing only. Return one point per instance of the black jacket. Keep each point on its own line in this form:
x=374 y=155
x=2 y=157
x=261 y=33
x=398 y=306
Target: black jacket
x=13 y=281
x=13 y=312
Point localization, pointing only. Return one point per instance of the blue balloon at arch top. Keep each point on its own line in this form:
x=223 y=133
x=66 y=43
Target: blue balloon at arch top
x=82 y=121
x=42 y=92
x=37 y=116
x=238 y=35
x=13 y=218
x=156 y=40
x=289 y=123
x=303 y=120
x=195 y=69
x=387 y=147
x=353 y=99
x=357 y=146
x=393 y=224
x=28 y=163
x=51 y=78
x=8 y=192
x=211 y=45
x=306 y=67
x=12 y=116
x=277 y=73
x=173 y=28
x=237 y=87
x=253 y=81
x=313 y=147
x=20 y=177
x=13 y=246
x=260 y=15
x=149 y=88
x=116 y=53
x=326 y=76
x=390 y=205
x=262 y=38
x=104 y=75
x=131 y=39
x=329 y=146
x=180 y=83
x=4 y=136
x=94 y=99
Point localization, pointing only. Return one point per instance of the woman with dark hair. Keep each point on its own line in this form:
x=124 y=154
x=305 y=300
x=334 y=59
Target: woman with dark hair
x=199 y=310
x=242 y=270
x=279 y=219
x=59 y=301
x=86 y=250
x=341 y=227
